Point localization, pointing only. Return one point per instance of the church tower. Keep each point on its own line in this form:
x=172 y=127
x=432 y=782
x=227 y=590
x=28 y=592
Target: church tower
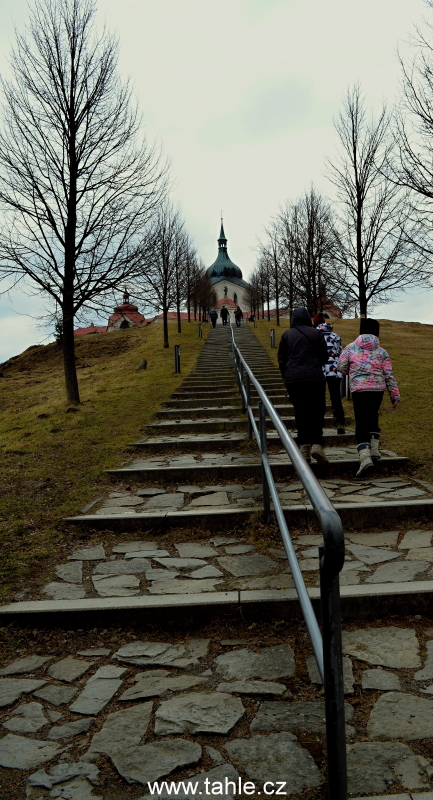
x=226 y=277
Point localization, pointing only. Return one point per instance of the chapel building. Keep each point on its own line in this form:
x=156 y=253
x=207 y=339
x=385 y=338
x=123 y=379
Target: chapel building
x=226 y=278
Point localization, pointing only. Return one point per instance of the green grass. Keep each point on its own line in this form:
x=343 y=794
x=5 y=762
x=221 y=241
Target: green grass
x=408 y=431
x=53 y=456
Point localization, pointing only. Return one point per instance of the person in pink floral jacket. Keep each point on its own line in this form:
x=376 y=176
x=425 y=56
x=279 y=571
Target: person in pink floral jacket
x=369 y=369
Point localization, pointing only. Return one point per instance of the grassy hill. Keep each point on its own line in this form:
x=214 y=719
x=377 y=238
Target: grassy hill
x=53 y=454
x=410 y=345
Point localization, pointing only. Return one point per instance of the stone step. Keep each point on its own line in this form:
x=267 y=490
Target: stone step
x=210 y=387
x=212 y=374
x=216 y=389
x=183 y=403
x=179 y=410
x=215 y=424
x=222 y=441
x=372 y=601
x=226 y=395
x=354 y=515
x=235 y=467
x=199 y=412
x=231 y=398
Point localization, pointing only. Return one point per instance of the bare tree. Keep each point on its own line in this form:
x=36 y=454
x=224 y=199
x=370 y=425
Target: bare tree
x=297 y=262
x=308 y=243
x=253 y=294
x=413 y=169
x=375 y=255
x=78 y=184
x=158 y=283
x=271 y=268
x=202 y=292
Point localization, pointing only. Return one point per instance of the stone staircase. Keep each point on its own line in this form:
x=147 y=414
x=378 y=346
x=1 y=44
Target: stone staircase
x=178 y=654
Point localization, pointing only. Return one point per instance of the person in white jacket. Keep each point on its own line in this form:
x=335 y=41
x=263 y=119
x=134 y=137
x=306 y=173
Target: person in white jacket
x=332 y=375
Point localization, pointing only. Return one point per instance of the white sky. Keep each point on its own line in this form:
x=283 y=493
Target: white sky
x=242 y=94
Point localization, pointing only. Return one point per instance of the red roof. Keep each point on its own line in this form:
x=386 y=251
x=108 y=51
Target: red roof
x=126 y=311
x=173 y=315
x=225 y=301
x=90 y=329
x=133 y=316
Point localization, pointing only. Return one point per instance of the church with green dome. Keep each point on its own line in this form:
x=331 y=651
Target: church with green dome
x=226 y=277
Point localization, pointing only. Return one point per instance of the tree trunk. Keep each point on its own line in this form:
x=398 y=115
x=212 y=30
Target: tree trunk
x=359 y=257
x=277 y=302
x=165 y=323
x=71 y=381
x=362 y=302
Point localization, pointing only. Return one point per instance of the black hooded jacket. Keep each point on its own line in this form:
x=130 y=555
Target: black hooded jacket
x=302 y=351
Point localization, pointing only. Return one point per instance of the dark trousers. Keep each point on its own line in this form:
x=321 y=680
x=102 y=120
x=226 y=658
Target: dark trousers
x=308 y=398
x=366 y=409
x=238 y=323
x=334 y=393
x=214 y=322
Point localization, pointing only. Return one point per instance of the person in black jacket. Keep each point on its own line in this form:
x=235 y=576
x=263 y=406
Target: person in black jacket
x=224 y=315
x=301 y=355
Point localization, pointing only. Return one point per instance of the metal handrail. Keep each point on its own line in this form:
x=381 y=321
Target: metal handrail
x=327 y=649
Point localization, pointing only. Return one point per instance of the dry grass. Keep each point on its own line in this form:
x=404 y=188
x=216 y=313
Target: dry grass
x=408 y=430
x=53 y=456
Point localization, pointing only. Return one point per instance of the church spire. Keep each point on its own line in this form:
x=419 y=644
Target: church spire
x=222 y=241
x=223 y=268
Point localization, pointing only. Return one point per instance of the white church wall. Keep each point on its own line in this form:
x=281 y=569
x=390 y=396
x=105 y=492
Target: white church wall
x=226 y=290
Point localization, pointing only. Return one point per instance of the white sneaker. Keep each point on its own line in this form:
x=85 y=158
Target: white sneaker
x=319 y=454
x=365 y=462
x=374 y=446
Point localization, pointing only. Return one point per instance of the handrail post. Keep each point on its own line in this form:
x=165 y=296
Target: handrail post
x=249 y=409
x=333 y=682
x=177 y=358
x=242 y=382
x=238 y=369
x=264 y=451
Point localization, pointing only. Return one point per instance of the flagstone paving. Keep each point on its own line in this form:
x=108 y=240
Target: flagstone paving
x=215 y=564
x=212 y=706
x=372 y=490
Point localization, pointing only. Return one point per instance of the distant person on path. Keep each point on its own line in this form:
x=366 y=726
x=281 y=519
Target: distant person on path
x=369 y=369
x=331 y=373
x=319 y=319
x=301 y=355
x=213 y=316
x=238 y=316
x=224 y=315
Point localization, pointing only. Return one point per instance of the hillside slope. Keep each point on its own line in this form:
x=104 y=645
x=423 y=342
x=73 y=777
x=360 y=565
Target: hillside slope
x=53 y=454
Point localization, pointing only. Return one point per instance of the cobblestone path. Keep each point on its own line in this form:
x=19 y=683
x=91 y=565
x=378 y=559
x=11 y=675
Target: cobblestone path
x=105 y=711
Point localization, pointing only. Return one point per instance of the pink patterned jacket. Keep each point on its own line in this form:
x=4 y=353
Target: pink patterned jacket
x=368 y=366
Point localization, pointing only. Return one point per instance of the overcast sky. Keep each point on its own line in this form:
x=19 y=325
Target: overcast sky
x=243 y=94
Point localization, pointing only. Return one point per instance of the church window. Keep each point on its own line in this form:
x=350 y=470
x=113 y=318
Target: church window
x=225 y=291
x=235 y=297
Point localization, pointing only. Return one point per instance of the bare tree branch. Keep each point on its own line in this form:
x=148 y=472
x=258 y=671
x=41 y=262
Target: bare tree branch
x=78 y=187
